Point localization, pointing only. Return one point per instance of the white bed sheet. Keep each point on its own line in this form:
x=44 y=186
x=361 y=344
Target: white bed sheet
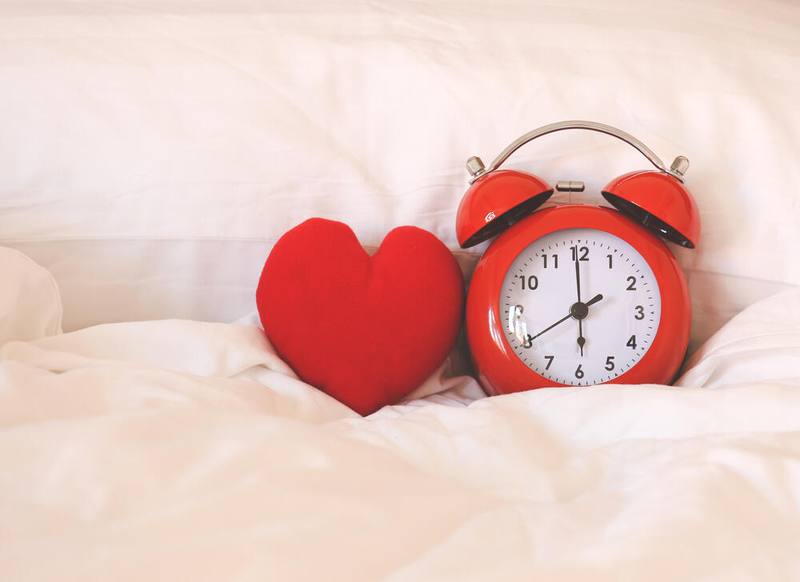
x=177 y=450
x=30 y=304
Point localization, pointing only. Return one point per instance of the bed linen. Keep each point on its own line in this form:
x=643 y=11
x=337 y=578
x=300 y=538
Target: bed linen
x=30 y=302
x=180 y=450
x=153 y=151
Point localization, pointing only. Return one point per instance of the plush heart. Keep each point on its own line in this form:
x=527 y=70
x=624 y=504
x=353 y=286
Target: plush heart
x=366 y=330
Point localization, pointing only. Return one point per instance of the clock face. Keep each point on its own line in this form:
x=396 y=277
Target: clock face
x=583 y=340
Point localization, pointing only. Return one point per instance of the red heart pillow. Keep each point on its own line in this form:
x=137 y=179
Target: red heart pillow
x=366 y=330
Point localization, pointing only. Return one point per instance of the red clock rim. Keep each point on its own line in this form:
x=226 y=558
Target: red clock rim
x=500 y=371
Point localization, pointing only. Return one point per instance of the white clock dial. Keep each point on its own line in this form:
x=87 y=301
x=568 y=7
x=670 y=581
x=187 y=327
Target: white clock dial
x=587 y=341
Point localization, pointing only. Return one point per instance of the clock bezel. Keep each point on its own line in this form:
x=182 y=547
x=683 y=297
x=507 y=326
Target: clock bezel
x=500 y=370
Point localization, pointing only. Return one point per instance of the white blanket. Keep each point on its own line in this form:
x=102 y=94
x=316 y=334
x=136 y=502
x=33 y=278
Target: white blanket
x=177 y=450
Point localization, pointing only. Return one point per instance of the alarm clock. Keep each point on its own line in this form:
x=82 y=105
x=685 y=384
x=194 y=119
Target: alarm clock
x=577 y=294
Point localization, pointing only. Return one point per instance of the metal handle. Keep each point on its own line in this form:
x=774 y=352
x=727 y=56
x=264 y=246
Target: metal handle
x=678 y=168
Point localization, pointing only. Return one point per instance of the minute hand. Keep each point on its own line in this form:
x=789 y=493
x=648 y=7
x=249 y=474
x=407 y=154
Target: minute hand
x=562 y=320
x=589 y=303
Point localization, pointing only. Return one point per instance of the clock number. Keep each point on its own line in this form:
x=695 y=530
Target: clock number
x=631 y=283
x=610 y=261
x=579 y=373
x=555 y=261
x=532 y=282
x=549 y=361
x=582 y=253
x=639 y=312
x=610 y=363
x=631 y=342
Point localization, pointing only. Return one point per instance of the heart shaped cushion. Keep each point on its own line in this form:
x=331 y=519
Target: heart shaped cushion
x=366 y=330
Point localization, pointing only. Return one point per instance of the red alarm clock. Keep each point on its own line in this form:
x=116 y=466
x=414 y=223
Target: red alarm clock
x=577 y=295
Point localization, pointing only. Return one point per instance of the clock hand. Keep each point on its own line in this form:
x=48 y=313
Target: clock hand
x=581 y=339
x=562 y=320
x=578 y=311
x=594 y=300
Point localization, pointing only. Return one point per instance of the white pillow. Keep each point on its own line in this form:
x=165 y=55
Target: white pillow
x=152 y=153
x=761 y=344
x=30 y=305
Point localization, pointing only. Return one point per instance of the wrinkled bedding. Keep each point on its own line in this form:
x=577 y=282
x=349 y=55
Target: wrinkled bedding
x=178 y=450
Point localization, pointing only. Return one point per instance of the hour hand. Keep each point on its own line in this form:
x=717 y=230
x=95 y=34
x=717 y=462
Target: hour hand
x=594 y=300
